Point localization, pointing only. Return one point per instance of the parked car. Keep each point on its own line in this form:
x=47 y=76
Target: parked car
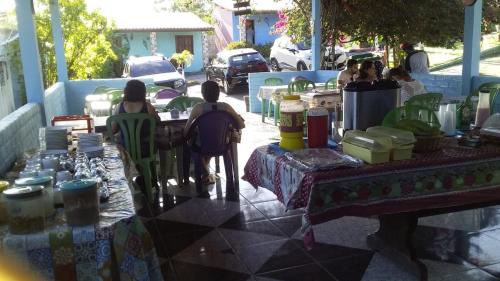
x=297 y=56
x=159 y=68
x=231 y=67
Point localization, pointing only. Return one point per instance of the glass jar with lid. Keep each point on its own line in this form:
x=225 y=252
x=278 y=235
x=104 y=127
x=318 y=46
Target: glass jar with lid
x=47 y=183
x=292 y=123
x=26 y=214
x=81 y=202
x=3 y=211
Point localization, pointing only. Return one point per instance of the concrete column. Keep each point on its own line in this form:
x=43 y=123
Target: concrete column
x=316 y=35
x=472 y=47
x=30 y=56
x=57 y=34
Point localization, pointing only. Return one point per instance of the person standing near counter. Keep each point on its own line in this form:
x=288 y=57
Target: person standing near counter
x=416 y=61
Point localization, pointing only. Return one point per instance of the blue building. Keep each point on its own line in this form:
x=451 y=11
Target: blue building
x=254 y=28
x=165 y=33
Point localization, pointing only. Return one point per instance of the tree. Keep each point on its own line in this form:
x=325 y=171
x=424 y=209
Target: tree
x=87 y=42
x=433 y=22
x=201 y=8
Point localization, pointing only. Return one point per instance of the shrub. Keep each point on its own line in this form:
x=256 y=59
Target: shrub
x=183 y=59
x=237 y=45
x=264 y=49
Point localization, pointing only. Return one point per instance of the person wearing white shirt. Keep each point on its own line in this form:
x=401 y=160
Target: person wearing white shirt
x=416 y=61
x=409 y=86
x=349 y=74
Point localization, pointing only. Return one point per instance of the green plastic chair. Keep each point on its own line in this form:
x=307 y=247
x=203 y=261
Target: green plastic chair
x=429 y=100
x=102 y=90
x=300 y=86
x=181 y=103
x=274 y=107
x=411 y=112
x=130 y=125
x=331 y=83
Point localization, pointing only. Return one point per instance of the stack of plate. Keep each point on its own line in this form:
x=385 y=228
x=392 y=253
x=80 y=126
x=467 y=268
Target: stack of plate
x=89 y=140
x=54 y=138
x=92 y=151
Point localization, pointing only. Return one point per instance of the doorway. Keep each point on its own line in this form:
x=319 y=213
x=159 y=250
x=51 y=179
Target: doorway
x=250 y=32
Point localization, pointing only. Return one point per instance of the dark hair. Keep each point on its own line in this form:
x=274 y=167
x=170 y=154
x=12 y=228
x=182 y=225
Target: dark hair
x=134 y=91
x=363 y=69
x=351 y=62
x=398 y=71
x=210 y=91
x=407 y=47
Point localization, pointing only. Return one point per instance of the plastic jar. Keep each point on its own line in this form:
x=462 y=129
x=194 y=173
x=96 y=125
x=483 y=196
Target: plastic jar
x=292 y=123
x=81 y=202
x=48 y=183
x=317 y=127
x=25 y=209
x=3 y=210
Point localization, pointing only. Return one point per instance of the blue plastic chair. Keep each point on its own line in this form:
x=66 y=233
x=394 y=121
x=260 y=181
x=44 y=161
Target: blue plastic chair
x=207 y=140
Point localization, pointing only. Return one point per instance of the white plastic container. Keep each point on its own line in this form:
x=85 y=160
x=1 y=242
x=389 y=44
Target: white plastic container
x=25 y=208
x=48 y=183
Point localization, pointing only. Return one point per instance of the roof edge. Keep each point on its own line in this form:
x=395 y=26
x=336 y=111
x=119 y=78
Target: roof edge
x=162 y=29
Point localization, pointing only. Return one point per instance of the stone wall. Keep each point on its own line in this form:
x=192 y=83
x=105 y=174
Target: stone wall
x=55 y=101
x=18 y=133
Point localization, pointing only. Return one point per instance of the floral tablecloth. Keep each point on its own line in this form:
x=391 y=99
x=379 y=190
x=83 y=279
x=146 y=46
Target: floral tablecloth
x=117 y=248
x=451 y=177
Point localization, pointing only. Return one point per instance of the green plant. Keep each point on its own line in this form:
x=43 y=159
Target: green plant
x=183 y=59
x=87 y=42
x=264 y=49
x=237 y=45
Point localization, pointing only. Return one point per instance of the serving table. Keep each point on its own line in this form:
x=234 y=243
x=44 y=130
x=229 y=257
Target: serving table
x=117 y=248
x=399 y=192
x=266 y=93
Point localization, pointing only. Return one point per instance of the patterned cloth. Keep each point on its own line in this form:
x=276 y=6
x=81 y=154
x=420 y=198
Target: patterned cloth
x=117 y=248
x=451 y=177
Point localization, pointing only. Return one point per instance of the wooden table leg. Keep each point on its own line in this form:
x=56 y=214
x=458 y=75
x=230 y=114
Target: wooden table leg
x=394 y=241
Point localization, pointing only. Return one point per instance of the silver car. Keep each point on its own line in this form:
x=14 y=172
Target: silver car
x=158 y=68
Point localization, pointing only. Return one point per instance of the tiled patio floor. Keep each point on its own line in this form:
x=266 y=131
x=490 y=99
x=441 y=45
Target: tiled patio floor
x=246 y=234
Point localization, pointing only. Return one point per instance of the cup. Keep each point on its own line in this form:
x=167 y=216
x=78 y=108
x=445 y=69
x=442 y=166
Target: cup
x=50 y=163
x=63 y=176
x=174 y=113
x=27 y=174
x=47 y=172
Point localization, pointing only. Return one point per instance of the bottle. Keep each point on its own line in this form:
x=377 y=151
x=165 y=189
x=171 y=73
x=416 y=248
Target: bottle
x=483 y=108
x=292 y=123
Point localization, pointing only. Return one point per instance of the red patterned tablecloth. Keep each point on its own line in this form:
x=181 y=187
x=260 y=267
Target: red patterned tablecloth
x=451 y=177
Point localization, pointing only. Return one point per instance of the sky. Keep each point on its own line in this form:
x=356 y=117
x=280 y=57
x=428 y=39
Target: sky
x=107 y=7
x=114 y=8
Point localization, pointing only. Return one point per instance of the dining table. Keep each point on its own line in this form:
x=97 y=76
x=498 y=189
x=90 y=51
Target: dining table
x=118 y=247
x=398 y=192
x=180 y=150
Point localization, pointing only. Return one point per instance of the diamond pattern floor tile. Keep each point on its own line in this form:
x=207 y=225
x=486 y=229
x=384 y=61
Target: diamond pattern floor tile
x=308 y=272
x=202 y=212
x=213 y=251
x=193 y=272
